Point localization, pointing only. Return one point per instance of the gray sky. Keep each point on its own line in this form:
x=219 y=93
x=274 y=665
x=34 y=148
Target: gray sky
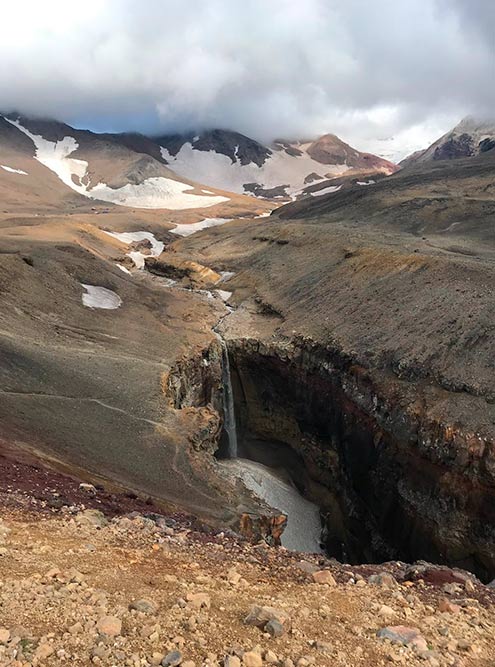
x=386 y=75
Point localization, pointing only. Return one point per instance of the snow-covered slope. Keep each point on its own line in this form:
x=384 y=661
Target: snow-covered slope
x=231 y=161
x=140 y=181
x=471 y=137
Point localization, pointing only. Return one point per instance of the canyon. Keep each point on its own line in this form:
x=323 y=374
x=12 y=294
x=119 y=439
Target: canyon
x=365 y=372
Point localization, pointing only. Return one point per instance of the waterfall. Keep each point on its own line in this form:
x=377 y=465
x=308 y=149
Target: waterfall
x=228 y=401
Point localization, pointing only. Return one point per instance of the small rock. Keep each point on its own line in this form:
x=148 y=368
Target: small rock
x=252 y=659
x=87 y=488
x=324 y=647
x=44 y=651
x=384 y=579
x=432 y=657
x=109 y=625
x=172 y=659
x=231 y=661
x=446 y=606
x=93 y=518
x=274 y=628
x=198 y=600
x=144 y=606
x=385 y=610
x=307 y=567
x=324 y=577
x=464 y=645
x=52 y=573
x=261 y=616
x=76 y=628
x=400 y=634
x=233 y=577
x=469 y=586
x=271 y=657
x=451 y=588
x=4 y=635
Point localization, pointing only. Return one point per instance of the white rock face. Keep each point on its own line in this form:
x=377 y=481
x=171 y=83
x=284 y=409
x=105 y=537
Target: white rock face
x=303 y=529
x=14 y=171
x=100 y=297
x=159 y=192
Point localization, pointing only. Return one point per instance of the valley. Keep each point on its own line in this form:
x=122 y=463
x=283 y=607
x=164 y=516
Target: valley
x=349 y=331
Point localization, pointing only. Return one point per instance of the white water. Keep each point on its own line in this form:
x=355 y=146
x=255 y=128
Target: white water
x=228 y=401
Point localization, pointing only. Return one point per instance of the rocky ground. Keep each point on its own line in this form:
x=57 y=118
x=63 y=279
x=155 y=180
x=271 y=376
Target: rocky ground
x=123 y=585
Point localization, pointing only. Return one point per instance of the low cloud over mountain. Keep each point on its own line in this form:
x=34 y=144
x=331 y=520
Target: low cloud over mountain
x=285 y=68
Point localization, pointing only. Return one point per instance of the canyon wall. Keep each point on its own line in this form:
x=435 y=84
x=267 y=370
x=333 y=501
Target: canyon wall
x=392 y=482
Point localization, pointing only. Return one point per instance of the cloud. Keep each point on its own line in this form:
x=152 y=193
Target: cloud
x=280 y=68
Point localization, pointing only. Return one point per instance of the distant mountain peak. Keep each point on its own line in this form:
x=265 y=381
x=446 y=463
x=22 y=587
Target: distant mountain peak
x=469 y=138
x=280 y=170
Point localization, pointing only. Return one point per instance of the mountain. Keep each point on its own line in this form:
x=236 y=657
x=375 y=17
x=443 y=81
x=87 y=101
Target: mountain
x=123 y=169
x=471 y=137
x=234 y=162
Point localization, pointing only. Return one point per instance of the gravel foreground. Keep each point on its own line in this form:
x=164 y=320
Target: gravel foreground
x=82 y=584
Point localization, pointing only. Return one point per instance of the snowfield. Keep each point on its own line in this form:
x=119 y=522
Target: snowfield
x=100 y=297
x=11 y=170
x=159 y=192
x=219 y=171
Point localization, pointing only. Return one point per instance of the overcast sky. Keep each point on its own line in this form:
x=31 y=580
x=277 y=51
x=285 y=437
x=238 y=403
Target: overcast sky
x=386 y=75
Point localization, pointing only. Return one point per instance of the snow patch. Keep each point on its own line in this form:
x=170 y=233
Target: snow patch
x=187 y=230
x=100 y=297
x=226 y=275
x=326 y=191
x=370 y=182
x=13 y=171
x=223 y=294
x=55 y=156
x=137 y=256
x=303 y=531
x=124 y=269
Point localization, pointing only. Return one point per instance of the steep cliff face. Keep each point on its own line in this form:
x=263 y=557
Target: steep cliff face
x=392 y=482
x=194 y=387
